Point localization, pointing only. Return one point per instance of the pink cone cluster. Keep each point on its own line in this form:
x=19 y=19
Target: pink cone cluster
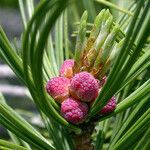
x=75 y=92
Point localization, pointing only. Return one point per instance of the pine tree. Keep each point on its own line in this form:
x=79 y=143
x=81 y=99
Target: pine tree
x=104 y=46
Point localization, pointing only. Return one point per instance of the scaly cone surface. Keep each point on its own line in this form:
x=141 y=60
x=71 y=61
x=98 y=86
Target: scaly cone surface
x=84 y=87
x=73 y=110
x=66 y=69
x=109 y=107
x=58 y=88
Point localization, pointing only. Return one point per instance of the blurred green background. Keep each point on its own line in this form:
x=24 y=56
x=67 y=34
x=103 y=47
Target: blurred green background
x=13 y=90
x=9 y=3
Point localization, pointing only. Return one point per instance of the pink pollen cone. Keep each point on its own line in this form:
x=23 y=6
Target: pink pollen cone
x=66 y=69
x=58 y=88
x=109 y=107
x=84 y=87
x=73 y=110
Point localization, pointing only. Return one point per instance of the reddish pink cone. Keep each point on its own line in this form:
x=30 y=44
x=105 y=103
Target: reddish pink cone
x=111 y=105
x=66 y=70
x=58 y=88
x=73 y=110
x=84 y=87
